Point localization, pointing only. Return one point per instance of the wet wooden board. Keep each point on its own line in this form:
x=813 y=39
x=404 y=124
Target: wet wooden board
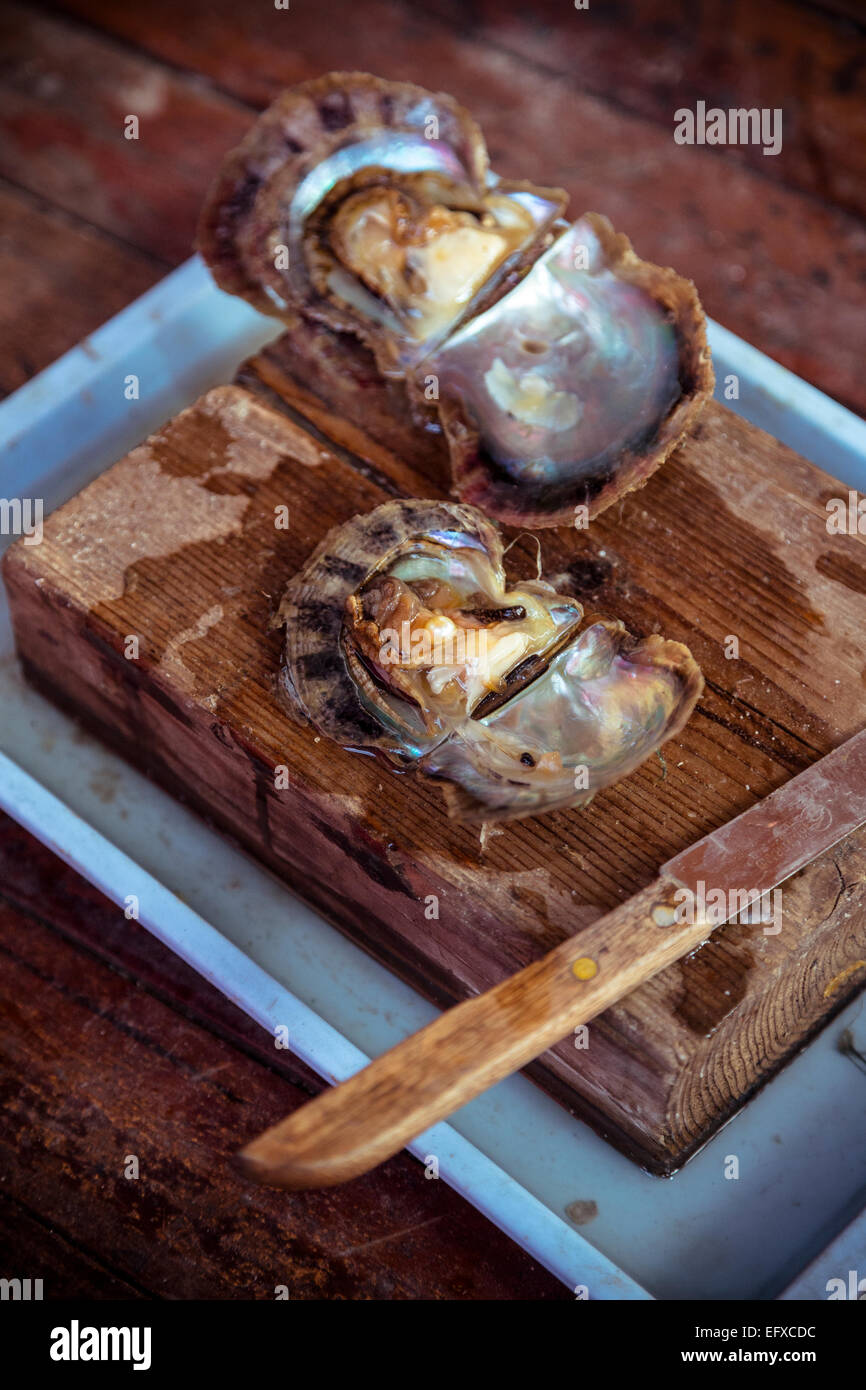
x=177 y=546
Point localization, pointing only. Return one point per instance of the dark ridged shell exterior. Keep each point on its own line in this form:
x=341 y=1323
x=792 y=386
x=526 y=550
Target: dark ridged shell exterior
x=314 y=606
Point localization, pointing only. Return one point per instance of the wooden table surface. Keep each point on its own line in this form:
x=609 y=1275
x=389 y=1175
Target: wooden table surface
x=111 y=1046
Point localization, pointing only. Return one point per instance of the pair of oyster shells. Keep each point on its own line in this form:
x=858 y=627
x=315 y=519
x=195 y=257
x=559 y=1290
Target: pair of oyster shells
x=562 y=370
x=403 y=636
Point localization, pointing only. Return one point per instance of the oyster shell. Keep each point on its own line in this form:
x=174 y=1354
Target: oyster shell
x=402 y=636
x=312 y=136
x=576 y=386
x=412 y=253
x=565 y=368
x=369 y=205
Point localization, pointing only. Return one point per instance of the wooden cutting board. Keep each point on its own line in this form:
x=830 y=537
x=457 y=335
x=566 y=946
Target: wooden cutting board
x=146 y=611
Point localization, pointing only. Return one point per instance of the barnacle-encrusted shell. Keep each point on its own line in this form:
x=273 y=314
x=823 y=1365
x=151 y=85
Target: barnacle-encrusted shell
x=576 y=386
x=542 y=719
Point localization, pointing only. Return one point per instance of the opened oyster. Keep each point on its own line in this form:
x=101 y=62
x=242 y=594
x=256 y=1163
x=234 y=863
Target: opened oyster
x=402 y=636
x=369 y=206
x=561 y=367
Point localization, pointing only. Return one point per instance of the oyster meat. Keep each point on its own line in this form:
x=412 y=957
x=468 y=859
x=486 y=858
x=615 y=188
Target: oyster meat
x=562 y=368
x=412 y=252
x=403 y=636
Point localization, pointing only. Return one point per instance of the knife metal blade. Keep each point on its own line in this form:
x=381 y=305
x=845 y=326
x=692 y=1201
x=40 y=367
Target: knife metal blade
x=785 y=831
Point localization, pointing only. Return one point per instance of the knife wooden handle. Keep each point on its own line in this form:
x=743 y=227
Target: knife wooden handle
x=348 y=1130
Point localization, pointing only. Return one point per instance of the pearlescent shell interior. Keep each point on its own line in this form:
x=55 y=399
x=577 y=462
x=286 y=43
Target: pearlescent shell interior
x=405 y=151
x=402 y=151
x=312 y=135
x=603 y=705
x=308 y=149
x=316 y=678
x=604 y=348
x=400 y=346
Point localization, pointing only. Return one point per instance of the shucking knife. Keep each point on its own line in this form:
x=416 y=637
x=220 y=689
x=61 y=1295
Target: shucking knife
x=348 y=1130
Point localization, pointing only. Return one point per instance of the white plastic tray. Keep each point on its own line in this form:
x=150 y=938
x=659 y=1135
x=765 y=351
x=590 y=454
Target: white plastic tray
x=514 y=1153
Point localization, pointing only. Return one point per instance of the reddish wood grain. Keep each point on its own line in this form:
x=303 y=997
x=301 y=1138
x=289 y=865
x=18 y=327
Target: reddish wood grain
x=34 y=1249
x=784 y=266
x=96 y=1064
x=64 y=97
x=88 y=273
x=652 y=57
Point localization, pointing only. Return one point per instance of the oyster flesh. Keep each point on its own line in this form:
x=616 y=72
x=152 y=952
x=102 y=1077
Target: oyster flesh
x=403 y=636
